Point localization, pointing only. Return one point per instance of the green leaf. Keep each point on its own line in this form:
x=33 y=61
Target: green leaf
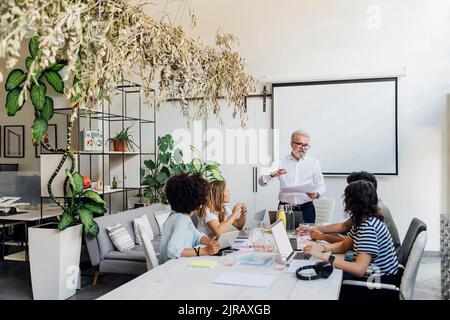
x=216 y=174
x=39 y=129
x=166 y=171
x=58 y=66
x=28 y=62
x=12 y=102
x=86 y=217
x=66 y=220
x=178 y=156
x=15 y=79
x=76 y=183
x=197 y=163
x=165 y=158
x=195 y=150
x=54 y=80
x=93 y=196
x=38 y=92
x=162 y=177
x=95 y=208
x=33 y=46
x=150 y=164
x=47 y=111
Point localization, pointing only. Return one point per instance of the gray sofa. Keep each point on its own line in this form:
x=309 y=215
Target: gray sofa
x=106 y=259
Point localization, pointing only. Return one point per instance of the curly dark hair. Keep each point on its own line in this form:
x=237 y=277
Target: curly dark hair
x=361 y=201
x=186 y=192
x=362 y=175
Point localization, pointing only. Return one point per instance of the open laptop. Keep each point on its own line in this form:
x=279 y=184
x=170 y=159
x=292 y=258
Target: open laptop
x=257 y=219
x=284 y=245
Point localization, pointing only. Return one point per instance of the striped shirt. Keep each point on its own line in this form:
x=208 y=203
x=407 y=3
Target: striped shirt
x=373 y=237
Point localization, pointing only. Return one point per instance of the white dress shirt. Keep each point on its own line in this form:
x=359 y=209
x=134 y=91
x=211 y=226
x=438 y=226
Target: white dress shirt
x=299 y=172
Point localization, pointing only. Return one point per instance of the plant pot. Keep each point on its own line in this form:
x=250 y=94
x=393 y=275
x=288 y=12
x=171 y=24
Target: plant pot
x=54 y=261
x=119 y=145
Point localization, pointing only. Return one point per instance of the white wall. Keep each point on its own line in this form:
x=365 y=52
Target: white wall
x=321 y=39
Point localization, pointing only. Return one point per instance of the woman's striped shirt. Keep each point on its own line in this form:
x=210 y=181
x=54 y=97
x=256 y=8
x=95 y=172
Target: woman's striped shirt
x=373 y=237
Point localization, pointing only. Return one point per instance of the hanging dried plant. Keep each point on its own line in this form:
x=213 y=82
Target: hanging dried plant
x=103 y=41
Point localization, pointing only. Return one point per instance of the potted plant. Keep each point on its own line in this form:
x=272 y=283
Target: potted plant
x=123 y=141
x=55 y=248
x=169 y=162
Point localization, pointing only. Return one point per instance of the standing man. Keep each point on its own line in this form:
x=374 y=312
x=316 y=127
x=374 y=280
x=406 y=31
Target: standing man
x=298 y=169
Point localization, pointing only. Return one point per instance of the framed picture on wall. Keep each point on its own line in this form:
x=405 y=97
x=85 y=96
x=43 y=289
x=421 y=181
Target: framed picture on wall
x=14 y=141
x=50 y=139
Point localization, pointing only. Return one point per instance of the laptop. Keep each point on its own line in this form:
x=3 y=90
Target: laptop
x=284 y=245
x=257 y=218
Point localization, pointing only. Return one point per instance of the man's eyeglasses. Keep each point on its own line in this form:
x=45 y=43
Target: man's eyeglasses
x=302 y=145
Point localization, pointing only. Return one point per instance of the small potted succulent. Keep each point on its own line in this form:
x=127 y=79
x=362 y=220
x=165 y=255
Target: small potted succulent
x=123 y=141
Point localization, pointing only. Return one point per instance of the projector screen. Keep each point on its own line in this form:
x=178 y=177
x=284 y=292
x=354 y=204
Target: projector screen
x=352 y=123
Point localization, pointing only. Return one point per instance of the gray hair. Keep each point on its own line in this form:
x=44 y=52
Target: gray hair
x=299 y=133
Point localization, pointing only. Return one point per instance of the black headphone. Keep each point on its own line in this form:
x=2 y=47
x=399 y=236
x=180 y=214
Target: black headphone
x=322 y=269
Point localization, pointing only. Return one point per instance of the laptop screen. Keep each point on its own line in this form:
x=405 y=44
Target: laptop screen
x=281 y=238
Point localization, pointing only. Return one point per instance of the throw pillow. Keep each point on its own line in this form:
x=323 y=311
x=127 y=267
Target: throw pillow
x=143 y=222
x=161 y=217
x=120 y=238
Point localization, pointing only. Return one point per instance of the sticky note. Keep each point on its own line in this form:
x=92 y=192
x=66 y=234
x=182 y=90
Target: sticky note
x=203 y=263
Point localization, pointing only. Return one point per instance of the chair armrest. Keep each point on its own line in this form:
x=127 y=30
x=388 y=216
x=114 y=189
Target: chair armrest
x=371 y=285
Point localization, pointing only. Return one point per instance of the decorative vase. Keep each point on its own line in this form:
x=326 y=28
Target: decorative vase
x=119 y=145
x=54 y=261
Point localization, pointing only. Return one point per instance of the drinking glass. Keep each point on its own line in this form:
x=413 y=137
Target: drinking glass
x=229 y=257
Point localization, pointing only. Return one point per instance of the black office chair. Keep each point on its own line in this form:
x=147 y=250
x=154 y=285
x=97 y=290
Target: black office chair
x=415 y=227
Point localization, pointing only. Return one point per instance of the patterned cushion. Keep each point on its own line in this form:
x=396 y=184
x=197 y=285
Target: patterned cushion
x=120 y=238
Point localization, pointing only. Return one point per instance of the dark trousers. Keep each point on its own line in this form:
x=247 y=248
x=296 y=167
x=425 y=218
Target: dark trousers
x=349 y=292
x=308 y=211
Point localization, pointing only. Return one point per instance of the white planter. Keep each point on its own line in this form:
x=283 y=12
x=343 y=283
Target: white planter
x=54 y=261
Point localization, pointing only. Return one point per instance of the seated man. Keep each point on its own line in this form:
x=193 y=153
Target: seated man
x=186 y=194
x=323 y=232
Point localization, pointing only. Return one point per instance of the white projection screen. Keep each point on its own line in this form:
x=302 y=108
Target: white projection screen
x=352 y=123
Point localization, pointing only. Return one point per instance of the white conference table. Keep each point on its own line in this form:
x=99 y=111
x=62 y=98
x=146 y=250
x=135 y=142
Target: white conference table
x=176 y=280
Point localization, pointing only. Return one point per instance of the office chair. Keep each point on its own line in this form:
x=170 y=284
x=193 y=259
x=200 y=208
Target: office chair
x=415 y=227
x=408 y=280
x=324 y=207
x=149 y=251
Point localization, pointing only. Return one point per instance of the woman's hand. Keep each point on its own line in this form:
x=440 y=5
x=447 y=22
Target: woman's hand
x=212 y=248
x=237 y=208
x=315 y=251
x=244 y=209
x=302 y=230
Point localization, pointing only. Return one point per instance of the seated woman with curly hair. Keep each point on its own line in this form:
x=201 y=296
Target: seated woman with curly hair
x=186 y=194
x=369 y=238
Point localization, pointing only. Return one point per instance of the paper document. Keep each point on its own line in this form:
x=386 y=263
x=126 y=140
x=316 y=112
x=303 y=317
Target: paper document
x=295 y=264
x=304 y=188
x=245 y=279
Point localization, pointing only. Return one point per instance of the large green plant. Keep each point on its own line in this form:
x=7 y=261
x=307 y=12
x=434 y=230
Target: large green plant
x=209 y=170
x=82 y=206
x=18 y=83
x=168 y=161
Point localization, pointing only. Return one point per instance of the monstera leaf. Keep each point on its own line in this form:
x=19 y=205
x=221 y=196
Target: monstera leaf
x=39 y=129
x=15 y=79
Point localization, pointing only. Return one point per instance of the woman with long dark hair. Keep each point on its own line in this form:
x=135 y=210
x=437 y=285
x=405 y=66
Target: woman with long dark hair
x=369 y=238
